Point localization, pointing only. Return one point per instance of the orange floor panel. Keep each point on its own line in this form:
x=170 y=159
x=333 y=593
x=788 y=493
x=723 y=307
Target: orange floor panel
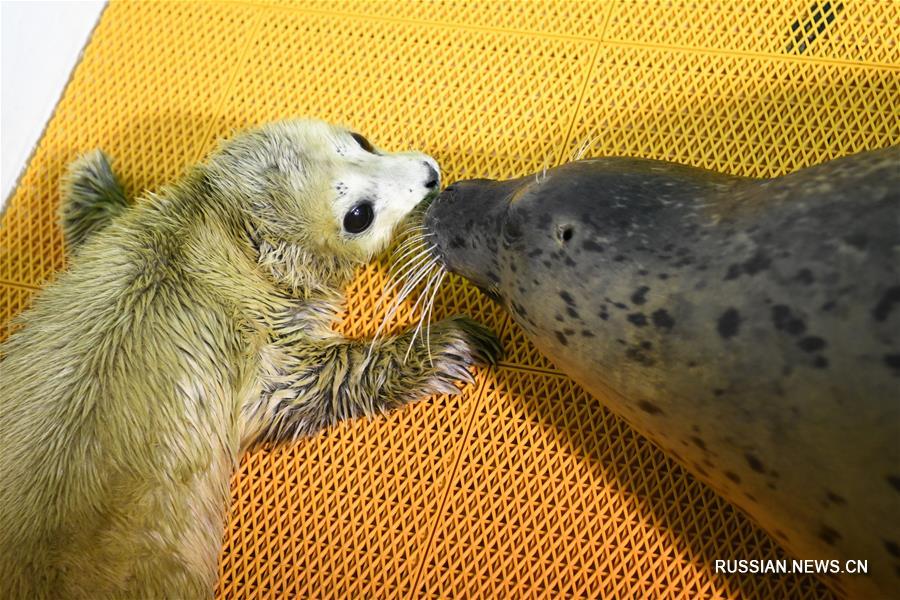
x=523 y=486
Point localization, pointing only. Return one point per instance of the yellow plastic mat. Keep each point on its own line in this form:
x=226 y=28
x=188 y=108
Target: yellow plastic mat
x=523 y=486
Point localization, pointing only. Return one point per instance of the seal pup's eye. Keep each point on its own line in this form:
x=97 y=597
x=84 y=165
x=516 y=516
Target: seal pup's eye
x=363 y=143
x=359 y=218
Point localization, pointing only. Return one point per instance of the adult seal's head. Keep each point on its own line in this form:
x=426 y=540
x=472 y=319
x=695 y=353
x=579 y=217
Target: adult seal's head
x=749 y=327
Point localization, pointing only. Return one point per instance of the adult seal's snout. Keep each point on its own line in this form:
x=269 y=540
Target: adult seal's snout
x=464 y=220
x=751 y=328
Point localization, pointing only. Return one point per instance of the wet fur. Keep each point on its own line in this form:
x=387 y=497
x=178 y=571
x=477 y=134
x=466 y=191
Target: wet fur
x=190 y=327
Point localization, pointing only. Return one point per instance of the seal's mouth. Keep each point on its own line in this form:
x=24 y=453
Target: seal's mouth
x=464 y=223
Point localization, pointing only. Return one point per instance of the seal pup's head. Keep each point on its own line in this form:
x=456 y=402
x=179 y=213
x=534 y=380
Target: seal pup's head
x=318 y=199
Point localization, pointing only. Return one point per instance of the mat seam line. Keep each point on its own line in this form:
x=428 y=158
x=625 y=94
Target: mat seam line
x=564 y=37
x=584 y=87
x=530 y=369
x=18 y=284
x=761 y=55
x=447 y=492
x=251 y=38
x=438 y=24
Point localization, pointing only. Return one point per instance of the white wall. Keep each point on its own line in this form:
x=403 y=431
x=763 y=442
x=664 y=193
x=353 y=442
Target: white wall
x=41 y=43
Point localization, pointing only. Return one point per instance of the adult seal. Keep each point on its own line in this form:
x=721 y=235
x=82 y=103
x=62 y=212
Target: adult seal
x=751 y=328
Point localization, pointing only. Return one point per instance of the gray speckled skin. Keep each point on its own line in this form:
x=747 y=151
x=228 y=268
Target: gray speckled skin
x=749 y=327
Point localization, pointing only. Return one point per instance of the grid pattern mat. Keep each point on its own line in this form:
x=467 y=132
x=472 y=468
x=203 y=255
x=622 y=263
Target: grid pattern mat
x=524 y=485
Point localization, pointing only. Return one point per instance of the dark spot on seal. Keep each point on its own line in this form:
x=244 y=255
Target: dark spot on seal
x=562 y=338
x=805 y=276
x=698 y=442
x=572 y=312
x=567 y=298
x=663 y=276
x=857 y=240
x=755 y=463
x=591 y=246
x=649 y=407
x=457 y=242
x=892 y=548
x=729 y=323
x=637 y=319
x=647 y=345
x=640 y=295
x=603 y=314
x=832 y=497
x=894 y=480
x=519 y=309
x=559 y=318
x=892 y=361
x=732 y=476
x=547 y=263
x=700 y=470
x=568 y=331
x=759 y=262
x=886 y=304
x=828 y=306
x=829 y=535
x=718 y=392
x=820 y=362
x=734 y=271
x=569 y=262
x=535 y=253
x=586 y=333
x=493 y=277
x=639 y=357
x=784 y=320
x=619 y=257
x=662 y=319
x=811 y=344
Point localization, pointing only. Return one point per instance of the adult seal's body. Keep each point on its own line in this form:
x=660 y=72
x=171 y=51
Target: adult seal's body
x=749 y=327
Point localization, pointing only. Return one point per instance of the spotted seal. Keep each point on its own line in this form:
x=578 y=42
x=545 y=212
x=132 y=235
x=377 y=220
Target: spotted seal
x=751 y=328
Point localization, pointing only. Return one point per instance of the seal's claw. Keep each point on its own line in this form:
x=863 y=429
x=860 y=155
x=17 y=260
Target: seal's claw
x=482 y=346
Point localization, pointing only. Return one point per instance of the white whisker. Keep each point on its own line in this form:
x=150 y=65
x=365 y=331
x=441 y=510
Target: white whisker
x=431 y=281
x=407 y=288
x=437 y=286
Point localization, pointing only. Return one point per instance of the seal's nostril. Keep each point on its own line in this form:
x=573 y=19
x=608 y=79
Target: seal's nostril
x=433 y=177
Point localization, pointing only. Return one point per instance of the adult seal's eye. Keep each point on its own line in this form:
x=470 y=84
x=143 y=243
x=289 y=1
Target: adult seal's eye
x=363 y=143
x=359 y=218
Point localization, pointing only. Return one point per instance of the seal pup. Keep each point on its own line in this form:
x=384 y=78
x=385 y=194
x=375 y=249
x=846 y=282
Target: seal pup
x=751 y=328
x=190 y=327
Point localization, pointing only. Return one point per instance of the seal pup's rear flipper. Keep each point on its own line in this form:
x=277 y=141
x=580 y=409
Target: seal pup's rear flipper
x=91 y=197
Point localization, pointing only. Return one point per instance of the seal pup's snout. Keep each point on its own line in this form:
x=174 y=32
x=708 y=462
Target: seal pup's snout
x=433 y=177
